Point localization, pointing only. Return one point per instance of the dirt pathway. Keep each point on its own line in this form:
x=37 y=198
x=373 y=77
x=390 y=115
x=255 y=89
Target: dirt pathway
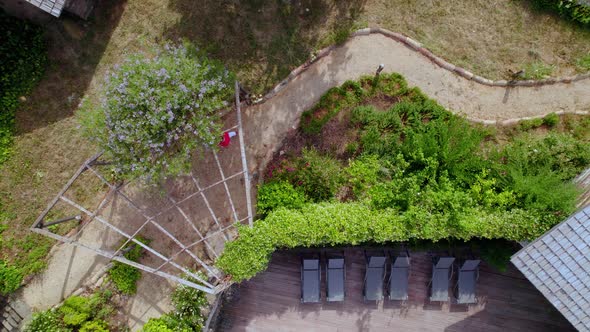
x=266 y=125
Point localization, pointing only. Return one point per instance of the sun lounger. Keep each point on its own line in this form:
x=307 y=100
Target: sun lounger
x=310 y=279
x=398 y=280
x=442 y=272
x=336 y=277
x=468 y=275
x=374 y=277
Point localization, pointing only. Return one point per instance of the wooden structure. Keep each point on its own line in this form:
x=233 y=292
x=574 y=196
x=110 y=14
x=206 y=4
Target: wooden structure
x=270 y=302
x=193 y=246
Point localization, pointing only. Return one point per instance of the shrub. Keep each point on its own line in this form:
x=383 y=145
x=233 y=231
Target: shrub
x=551 y=120
x=273 y=195
x=10 y=278
x=333 y=224
x=363 y=173
x=187 y=315
x=125 y=276
x=584 y=63
x=23 y=58
x=575 y=10
x=526 y=125
x=157 y=111
x=46 y=321
x=75 y=311
x=318 y=177
x=95 y=326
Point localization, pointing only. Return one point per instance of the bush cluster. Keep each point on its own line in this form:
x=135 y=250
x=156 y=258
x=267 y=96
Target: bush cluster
x=157 y=111
x=125 y=276
x=23 y=58
x=575 y=10
x=186 y=317
x=422 y=174
x=77 y=313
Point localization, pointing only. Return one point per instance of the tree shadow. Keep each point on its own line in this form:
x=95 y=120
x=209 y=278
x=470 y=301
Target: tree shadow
x=262 y=41
x=75 y=48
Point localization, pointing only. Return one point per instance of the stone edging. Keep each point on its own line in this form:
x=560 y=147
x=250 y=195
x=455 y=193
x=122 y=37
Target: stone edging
x=462 y=72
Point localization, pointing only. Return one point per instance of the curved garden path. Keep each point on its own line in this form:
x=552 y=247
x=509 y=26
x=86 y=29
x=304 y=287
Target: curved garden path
x=268 y=121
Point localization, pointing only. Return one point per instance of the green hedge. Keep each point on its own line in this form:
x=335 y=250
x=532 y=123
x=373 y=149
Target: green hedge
x=22 y=62
x=355 y=223
x=574 y=10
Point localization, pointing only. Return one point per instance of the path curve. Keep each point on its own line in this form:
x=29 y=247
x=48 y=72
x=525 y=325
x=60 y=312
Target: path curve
x=478 y=99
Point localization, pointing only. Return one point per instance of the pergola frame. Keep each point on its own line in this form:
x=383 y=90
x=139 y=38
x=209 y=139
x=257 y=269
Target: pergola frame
x=214 y=283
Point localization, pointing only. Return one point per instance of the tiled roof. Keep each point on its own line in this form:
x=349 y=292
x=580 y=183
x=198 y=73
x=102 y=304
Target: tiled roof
x=558 y=264
x=53 y=7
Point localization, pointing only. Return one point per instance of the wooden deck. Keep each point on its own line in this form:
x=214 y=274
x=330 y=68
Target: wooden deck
x=270 y=302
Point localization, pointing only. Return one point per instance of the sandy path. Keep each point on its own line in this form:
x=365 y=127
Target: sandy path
x=267 y=123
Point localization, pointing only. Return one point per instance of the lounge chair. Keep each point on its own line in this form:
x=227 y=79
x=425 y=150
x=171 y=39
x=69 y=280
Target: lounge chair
x=310 y=279
x=374 y=277
x=442 y=272
x=336 y=276
x=398 y=280
x=468 y=275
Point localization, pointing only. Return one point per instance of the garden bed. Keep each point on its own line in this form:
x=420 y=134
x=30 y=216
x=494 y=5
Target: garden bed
x=377 y=162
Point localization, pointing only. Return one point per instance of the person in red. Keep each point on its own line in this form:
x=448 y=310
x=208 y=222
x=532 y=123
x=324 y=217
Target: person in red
x=226 y=138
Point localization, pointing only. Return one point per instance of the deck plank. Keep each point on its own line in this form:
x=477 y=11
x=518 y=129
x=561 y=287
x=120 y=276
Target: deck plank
x=270 y=302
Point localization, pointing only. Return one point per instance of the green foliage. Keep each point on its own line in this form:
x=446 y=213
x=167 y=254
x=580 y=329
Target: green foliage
x=187 y=315
x=422 y=174
x=23 y=58
x=537 y=70
x=497 y=253
x=584 y=63
x=574 y=10
x=333 y=224
x=158 y=110
x=10 y=278
x=125 y=276
x=350 y=94
x=526 y=125
x=46 y=321
x=75 y=311
x=278 y=194
x=363 y=173
x=95 y=326
x=551 y=120
x=318 y=177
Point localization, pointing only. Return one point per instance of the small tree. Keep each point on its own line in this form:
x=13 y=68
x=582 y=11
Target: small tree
x=158 y=110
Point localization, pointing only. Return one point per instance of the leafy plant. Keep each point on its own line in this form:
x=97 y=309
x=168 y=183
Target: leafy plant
x=278 y=194
x=10 y=278
x=95 y=326
x=46 y=321
x=23 y=57
x=584 y=63
x=75 y=311
x=575 y=10
x=125 y=276
x=537 y=70
x=551 y=120
x=526 y=125
x=157 y=111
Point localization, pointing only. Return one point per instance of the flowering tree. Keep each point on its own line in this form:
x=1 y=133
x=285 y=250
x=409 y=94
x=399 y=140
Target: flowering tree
x=157 y=111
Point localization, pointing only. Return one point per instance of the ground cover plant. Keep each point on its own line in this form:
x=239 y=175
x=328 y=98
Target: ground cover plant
x=419 y=172
x=124 y=276
x=186 y=316
x=77 y=313
x=23 y=58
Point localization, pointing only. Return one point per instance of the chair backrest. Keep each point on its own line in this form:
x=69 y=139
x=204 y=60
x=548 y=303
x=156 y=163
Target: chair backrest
x=401 y=262
x=335 y=263
x=444 y=262
x=311 y=264
x=470 y=265
x=376 y=261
